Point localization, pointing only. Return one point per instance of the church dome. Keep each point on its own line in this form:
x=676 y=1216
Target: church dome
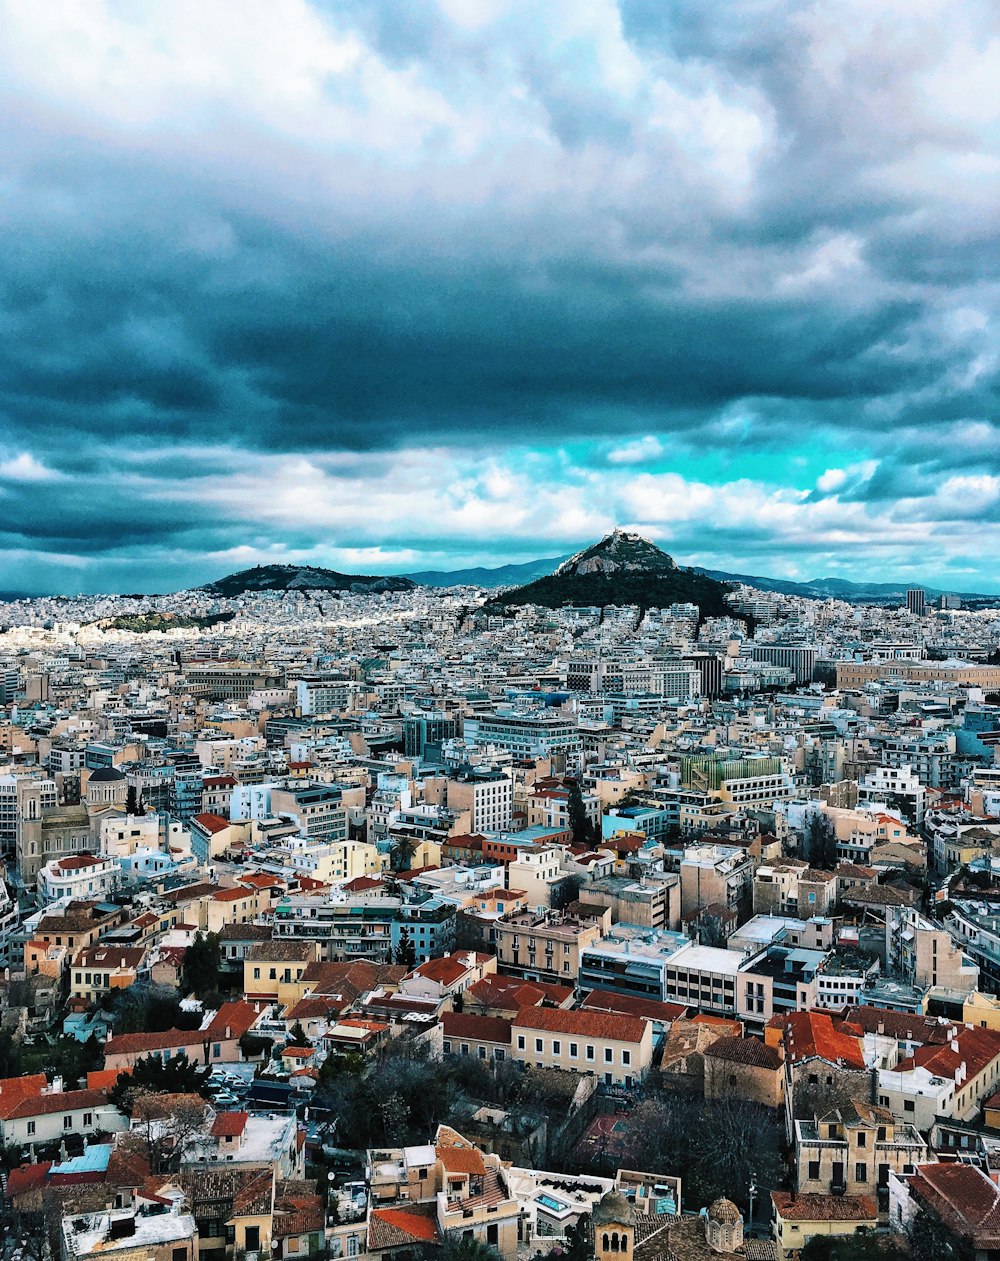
x=106 y=775
x=614 y=1208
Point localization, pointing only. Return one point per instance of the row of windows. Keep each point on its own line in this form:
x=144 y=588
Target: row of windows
x=590 y=1053
x=88 y=1121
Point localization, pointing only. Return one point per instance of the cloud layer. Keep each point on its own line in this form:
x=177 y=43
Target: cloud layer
x=418 y=281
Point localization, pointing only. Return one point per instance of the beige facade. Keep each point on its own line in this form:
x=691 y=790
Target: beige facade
x=273 y=970
x=852 y=1150
x=964 y=674
x=546 y=947
x=617 y=1048
x=744 y=1068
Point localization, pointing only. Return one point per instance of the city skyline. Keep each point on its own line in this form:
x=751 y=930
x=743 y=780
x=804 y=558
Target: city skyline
x=387 y=288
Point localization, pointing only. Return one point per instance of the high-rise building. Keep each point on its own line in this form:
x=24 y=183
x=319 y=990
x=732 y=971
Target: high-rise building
x=916 y=601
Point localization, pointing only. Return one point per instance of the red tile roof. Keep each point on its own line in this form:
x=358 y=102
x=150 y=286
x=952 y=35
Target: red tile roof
x=809 y=1034
x=585 y=1024
x=211 y=822
x=966 y=1200
x=14 y=1090
x=748 y=1051
x=61 y=1101
x=230 y=1124
x=976 y=1049
x=796 y=1207
x=476 y=1028
x=401 y=1227
x=631 y=1005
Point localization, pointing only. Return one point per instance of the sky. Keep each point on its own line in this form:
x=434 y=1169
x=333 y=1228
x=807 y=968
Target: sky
x=389 y=285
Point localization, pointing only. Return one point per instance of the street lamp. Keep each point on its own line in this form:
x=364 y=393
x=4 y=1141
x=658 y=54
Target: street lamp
x=753 y=1192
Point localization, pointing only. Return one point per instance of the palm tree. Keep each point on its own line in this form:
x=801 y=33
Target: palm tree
x=455 y=1247
x=403 y=849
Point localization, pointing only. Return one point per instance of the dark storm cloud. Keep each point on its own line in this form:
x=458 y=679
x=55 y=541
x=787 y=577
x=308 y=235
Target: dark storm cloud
x=585 y=233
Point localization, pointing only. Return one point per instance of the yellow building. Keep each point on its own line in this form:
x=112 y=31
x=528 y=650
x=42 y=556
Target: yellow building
x=799 y=1218
x=617 y=1048
x=97 y=970
x=273 y=970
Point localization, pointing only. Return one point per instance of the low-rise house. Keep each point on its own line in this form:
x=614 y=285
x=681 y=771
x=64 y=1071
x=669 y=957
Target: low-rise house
x=420 y=1195
x=273 y=971
x=217 y=1042
x=98 y=970
x=947 y=1080
x=483 y=1037
x=251 y=1141
x=161 y=1233
x=506 y=995
x=799 y=1218
x=448 y=976
x=958 y=1200
x=54 y=1113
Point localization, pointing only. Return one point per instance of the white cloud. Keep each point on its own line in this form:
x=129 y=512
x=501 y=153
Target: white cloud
x=637 y=452
x=25 y=468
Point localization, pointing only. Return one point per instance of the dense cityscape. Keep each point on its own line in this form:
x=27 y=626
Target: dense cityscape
x=500 y=630
x=397 y=922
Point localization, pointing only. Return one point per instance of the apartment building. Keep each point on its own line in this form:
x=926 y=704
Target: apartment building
x=546 y=947
x=652 y=901
x=487 y=795
x=715 y=875
x=318 y=809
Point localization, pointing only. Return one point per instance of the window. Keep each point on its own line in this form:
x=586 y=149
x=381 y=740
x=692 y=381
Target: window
x=88 y=1118
x=31 y=1127
x=67 y=1123
x=609 y=1055
x=539 y=1046
x=556 y=1047
x=626 y=1057
x=813 y=1170
x=862 y=1139
x=252 y=1238
x=179 y=1254
x=590 y=1053
x=573 y=1050
x=256 y=974
x=520 y=1042
x=860 y=1173
x=909 y=1105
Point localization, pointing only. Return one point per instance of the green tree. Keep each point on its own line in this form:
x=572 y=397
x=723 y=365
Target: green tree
x=144 y=1008
x=151 y=1075
x=821 y=842
x=406 y=953
x=864 y=1246
x=10 y=1054
x=297 y=1036
x=576 y=814
x=202 y=961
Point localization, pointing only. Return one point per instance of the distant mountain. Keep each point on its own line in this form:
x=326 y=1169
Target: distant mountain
x=623 y=568
x=302 y=578
x=502 y=576
x=839 y=588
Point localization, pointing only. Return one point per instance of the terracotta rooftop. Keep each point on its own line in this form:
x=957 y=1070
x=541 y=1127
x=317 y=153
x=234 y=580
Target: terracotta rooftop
x=610 y=1026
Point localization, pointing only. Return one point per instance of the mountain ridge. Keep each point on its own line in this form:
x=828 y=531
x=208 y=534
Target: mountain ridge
x=303 y=578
